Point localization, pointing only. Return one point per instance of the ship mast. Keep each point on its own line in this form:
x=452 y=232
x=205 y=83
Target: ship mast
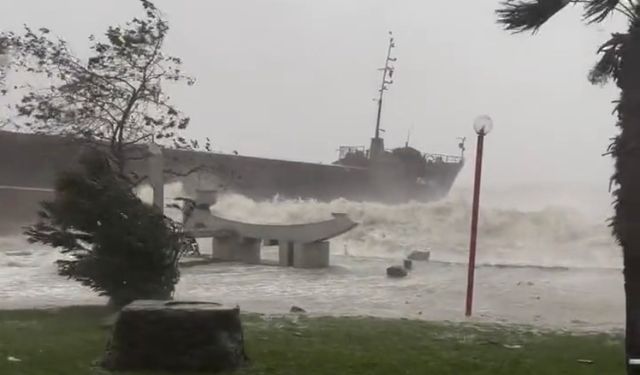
x=384 y=86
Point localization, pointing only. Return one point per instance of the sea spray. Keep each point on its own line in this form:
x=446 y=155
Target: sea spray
x=542 y=232
x=552 y=233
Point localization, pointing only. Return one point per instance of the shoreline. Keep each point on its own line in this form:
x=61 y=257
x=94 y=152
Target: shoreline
x=551 y=299
x=297 y=344
x=477 y=322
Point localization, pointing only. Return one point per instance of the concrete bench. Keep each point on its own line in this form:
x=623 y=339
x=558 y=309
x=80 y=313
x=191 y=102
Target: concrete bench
x=300 y=245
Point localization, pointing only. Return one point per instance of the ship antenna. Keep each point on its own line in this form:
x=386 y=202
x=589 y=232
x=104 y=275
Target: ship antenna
x=461 y=145
x=406 y=144
x=386 y=71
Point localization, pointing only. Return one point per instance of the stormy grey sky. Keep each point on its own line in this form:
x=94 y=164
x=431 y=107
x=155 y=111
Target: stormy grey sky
x=295 y=79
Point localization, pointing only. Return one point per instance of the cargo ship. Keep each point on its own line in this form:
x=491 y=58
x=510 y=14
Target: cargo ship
x=29 y=164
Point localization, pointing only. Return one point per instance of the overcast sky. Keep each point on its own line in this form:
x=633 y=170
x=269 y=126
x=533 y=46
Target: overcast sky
x=295 y=79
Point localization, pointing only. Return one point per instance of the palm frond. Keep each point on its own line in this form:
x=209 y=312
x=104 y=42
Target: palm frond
x=525 y=15
x=609 y=64
x=598 y=10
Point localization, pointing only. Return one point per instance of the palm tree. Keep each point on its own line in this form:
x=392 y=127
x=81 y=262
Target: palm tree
x=620 y=62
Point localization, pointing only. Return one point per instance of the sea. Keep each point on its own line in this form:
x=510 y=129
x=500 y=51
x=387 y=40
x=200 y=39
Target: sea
x=546 y=259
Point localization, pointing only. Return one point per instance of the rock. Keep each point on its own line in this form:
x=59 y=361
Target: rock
x=420 y=255
x=407 y=264
x=296 y=309
x=176 y=337
x=396 y=271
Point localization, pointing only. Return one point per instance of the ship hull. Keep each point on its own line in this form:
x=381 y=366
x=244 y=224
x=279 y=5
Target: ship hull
x=29 y=165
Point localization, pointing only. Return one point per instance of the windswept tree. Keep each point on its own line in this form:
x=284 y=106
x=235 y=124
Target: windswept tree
x=115 y=244
x=4 y=57
x=113 y=98
x=115 y=102
x=3 y=46
x=4 y=62
x=620 y=62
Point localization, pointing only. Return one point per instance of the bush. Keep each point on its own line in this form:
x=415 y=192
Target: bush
x=119 y=246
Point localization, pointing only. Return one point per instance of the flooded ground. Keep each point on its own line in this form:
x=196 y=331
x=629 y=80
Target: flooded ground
x=554 y=267
x=580 y=299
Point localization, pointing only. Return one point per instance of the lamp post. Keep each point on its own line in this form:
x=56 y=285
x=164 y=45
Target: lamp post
x=482 y=126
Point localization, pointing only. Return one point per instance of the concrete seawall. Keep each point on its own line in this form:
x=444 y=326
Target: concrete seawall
x=33 y=161
x=18 y=208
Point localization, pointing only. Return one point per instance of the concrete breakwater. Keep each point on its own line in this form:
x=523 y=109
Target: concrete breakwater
x=29 y=164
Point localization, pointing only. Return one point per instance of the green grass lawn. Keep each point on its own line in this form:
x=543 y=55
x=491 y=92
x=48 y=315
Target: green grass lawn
x=68 y=341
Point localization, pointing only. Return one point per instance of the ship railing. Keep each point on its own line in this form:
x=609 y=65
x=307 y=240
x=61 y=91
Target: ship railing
x=442 y=158
x=345 y=150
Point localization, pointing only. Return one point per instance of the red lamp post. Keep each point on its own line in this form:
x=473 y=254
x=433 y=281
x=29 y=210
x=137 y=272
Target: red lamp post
x=482 y=126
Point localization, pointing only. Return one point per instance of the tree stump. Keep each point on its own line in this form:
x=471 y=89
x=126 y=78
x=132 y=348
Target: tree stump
x=176 y=336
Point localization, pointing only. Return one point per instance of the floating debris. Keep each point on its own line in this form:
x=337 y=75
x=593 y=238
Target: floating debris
x=512 y=346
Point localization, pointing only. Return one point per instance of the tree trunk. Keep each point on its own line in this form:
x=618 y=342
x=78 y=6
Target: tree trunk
x=176 y=337
x=626 y=223
x=632 y=290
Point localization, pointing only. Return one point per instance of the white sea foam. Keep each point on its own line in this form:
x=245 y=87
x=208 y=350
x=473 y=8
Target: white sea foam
x=532 y=227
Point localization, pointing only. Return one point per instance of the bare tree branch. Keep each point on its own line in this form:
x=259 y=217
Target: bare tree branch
x=115 y=95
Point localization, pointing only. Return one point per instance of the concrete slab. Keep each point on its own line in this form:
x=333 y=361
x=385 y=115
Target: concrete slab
x=300 y=245
x=311 y=255
x=204 y=224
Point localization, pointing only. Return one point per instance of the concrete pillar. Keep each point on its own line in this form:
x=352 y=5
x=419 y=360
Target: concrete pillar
x=156 y=175
x=311 y=255
x=233 y=248
x=222 y=248
x=249 y=251
x=285 y=253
